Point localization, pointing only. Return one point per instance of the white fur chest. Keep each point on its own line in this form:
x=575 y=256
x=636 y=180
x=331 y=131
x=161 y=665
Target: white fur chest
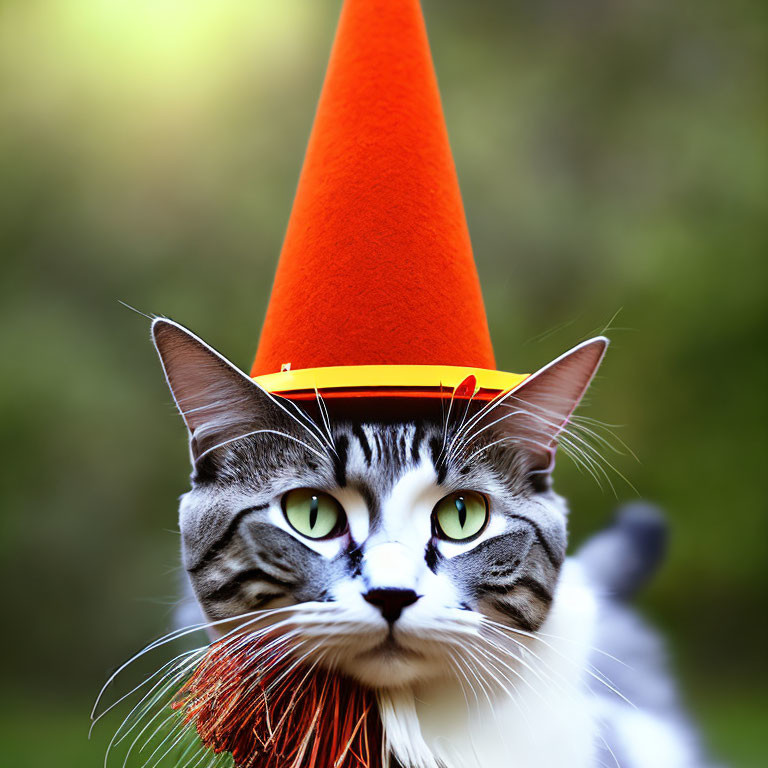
x=547 y=720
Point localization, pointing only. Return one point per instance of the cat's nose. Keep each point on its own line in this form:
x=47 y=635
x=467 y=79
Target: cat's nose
x=391 y=601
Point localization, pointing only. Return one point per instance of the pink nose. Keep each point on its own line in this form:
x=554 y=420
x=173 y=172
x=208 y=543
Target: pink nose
x=391 y=601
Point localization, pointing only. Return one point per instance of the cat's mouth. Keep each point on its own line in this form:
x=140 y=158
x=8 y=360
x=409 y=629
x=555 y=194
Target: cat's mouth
x=390 y=648
x=393 y=662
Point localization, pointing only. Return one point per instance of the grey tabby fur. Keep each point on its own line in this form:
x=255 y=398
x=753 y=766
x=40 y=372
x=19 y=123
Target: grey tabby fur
x=248 y=448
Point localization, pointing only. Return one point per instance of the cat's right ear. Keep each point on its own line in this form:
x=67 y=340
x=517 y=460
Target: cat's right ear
x=218 y=402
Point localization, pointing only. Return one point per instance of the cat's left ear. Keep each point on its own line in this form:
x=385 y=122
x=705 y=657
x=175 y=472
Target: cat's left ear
x=218 y=402
x=534 y=414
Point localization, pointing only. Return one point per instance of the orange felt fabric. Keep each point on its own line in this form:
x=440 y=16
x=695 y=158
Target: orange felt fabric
x=377 y=266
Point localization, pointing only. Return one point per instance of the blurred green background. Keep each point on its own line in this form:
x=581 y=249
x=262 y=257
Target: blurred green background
x=612 y=157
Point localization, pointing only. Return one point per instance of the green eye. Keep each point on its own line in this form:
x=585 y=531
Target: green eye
x=314 y=514
x=460 y=516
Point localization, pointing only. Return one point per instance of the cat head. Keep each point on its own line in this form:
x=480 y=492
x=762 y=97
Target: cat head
x=384 y=545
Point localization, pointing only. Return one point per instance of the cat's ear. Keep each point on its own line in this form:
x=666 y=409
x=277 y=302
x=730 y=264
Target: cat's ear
x=536 y=412
x=218 y=402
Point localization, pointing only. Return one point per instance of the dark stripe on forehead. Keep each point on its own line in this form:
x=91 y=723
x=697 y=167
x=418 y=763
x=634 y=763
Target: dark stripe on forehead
x=384 y=440
x=340 y=460
x=418 y=436
x=358 y=432
x=435 y=448
x=382 y=447
x=225 y=538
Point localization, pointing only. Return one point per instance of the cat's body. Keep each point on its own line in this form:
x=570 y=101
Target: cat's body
x=394 y=545
x=488 y=650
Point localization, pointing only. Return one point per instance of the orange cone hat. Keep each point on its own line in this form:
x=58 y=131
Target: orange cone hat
x=376 y=287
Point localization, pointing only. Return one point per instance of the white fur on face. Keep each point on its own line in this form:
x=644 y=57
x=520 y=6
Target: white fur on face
x=356 y=638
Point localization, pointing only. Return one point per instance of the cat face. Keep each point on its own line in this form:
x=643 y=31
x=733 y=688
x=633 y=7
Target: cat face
x=389 y=544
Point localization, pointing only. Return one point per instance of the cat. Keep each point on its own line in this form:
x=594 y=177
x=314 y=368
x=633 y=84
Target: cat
x=425 y=556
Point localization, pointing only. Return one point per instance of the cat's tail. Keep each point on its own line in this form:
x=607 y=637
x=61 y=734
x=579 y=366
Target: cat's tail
x=621 y=559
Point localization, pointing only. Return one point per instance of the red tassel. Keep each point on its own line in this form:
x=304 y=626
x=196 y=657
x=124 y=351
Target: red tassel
x=253 y=700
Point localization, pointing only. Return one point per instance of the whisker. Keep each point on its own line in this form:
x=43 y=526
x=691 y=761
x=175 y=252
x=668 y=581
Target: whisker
x=261 y=432
x=482 y=683
x=580 y=422
x=508 y=439
x=511 y=694
x=192 y=748
x=138 y=688
x=592 y=648
x=452 y=662
x=163 y=723
x=172 y=734
x=326 y=420
x=446 y=419
x=610 y=751
x=143 y=708
x=199 y=760
x=470 y=380
x=493 y=659
x=295 y=413
x=487 y=408
x=183 y=632
x=522 y=648
x=504 y=627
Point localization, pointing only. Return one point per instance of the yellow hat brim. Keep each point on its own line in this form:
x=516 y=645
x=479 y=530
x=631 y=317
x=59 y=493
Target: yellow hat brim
x=386 y=380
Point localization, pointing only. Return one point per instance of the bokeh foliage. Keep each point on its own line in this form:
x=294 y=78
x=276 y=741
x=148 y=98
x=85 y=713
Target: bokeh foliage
x=612 y=157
